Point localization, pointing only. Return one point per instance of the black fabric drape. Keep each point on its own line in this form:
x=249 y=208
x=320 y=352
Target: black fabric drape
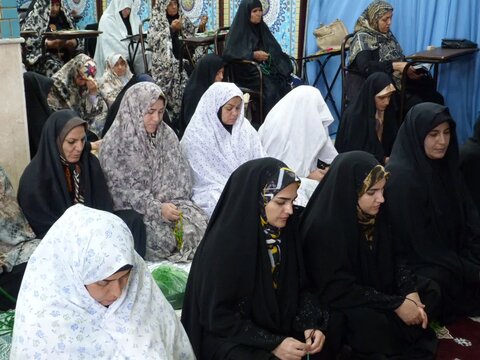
x=36 y=91
x=357 y=129
x=366 y=282
x=341 y=267
x=200 y=80
x=243 y=39
x=431 y=213
x=230 y=299
x=42 y=192
x=470 y=164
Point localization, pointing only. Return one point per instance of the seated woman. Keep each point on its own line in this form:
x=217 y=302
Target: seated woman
x=74 y=87
x=166 y=25
x=218 y=139
x=374 y=48
x=244 y=297
x=64 y=173
x=296 y=132
x=147 y=172
x=208 y=69
x=442 y=232
x=370 y=123
x=352 y=263
x=117 y=74
x=17 y=242
x=87 y=294
x=470 y=164
x=250 y=38
x=119 y=20
x=45 y=16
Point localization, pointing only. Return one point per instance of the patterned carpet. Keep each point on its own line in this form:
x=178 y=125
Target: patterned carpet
x=460 y=340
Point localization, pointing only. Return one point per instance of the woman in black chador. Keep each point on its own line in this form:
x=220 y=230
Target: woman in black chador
x=470 y=164
x=243 y=294
x=370 y=122
x=63 y=173
x=432 y=214
x=250 y=38
x=354 y=267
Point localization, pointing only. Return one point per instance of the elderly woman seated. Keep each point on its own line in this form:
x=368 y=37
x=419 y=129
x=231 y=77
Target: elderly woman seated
x=46 y=16
x=374 y=48
x=63 y=173
x=147 y=172
x=87 y=294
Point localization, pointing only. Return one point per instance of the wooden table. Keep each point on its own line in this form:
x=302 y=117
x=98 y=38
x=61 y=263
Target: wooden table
x=133 y=45
x=200 y=39
x=436 y=57
x=67 y=35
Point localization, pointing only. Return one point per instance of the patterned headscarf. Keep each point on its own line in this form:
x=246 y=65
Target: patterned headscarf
x=368 y=37
x=66 y=90
x=367 y=221
x=277 y=183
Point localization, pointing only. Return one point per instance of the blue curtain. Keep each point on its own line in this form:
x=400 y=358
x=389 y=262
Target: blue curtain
x=416 y=24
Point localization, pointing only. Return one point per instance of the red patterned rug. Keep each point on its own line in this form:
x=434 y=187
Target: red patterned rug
x=460 y=340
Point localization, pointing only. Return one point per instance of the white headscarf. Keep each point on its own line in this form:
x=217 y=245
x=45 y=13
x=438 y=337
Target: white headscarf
x=212 y=152
x=296 y=130
x=114 y=30
x=57 y=318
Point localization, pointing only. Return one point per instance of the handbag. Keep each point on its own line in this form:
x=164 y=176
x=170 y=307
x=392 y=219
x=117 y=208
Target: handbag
x=458 y=44
x=330 y=36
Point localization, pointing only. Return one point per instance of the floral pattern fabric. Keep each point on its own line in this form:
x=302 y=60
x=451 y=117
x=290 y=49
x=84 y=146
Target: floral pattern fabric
x=211 y=150
x=110 y=84
x=144 y=172
x=66 y=94
x=37 y=20
x=56 y=317
x=165 y=67
x=16 y=236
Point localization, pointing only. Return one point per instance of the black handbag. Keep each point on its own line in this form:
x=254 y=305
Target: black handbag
x=458 y=44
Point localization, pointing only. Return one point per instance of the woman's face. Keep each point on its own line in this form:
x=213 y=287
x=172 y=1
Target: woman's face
x=371 y=201
x=172 y=8
x=54 y=9
x=80 y=80
x=231 y=110
x=382 y=99
x=437 y=140
x=120 y=67
x=73 y=144
x=219 y=75
x=279 y=209
x=154 y=116
x=107 y=291
x=256 y=15
x=126 y=12
x=385 y=22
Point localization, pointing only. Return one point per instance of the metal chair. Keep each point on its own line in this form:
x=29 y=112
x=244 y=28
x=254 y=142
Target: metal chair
x=220 y=38
x=257 y=94
x=351 y=79
x=145 y=49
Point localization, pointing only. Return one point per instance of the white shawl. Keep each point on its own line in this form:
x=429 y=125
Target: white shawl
x=212 y=152
x=114 y=30
x=296 y=130
x=56 y=318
